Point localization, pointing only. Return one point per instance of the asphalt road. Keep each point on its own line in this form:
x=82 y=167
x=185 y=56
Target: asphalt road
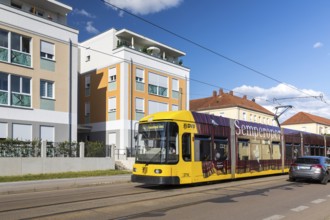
x=268 y=198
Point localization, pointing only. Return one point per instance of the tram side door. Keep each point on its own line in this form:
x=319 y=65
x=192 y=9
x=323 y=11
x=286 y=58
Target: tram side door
x=185 y=167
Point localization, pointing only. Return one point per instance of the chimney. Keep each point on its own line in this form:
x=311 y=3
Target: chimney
x=220 y=91
x=244 y=97
x=231 y=93
x=214 y=93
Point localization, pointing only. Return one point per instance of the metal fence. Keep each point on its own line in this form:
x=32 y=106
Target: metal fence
x=15 y=148
x=12 y=148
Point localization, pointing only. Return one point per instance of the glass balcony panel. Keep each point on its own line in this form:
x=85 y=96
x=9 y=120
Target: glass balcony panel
x=3 y=54
x=140 y=86
x=20 y=58
x=152 y=89
x=3 y=98
x=112 y=86
x=175 y=94
x=162 y=91
x=47 y=104
x=20 y=100
x=111 y=116
x=139 y=115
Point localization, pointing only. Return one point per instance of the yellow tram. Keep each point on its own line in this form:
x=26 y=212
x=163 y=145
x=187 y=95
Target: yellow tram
x=184 y=147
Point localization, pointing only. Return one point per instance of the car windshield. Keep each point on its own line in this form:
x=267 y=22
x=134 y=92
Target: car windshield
x=308 y=161
x=157 y=142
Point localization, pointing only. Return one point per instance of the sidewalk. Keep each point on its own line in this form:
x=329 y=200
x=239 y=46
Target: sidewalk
x=54 y=184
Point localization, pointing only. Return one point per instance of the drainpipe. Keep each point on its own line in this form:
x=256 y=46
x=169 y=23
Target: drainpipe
x=70 y=92
x=131 y=108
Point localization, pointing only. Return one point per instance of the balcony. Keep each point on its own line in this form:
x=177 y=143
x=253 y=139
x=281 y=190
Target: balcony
x=150 y=52
x=21 y=58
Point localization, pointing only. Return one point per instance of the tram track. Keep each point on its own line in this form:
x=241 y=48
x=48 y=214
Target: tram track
x=136 y=199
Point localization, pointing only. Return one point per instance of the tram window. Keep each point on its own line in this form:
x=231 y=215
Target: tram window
x=276 y=150
x=186 y=147
x=203 y=150
x=220 y=149
x=244 y=149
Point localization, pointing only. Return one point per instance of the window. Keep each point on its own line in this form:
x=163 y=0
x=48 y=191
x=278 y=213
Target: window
x=3 y=88
x=112 y=79
x=87 y=85
x=46 y=89
x=244 y=116
x=139 y=78
x=139 y=75
x=112 y=108
x=47 y=50
x=20 y=50
x=112 y=75
x=175 y=88
x=186 y=147
x=22 y=132
x=3 y=45
x=87 y=108
x=20 y=43
x=20 y=91
x=87 y=112
x=203 y=150
x=158 y=85
x=139 y=108
x=3 y=130
x=157 y=107
x=175 y=107
x=47 y=133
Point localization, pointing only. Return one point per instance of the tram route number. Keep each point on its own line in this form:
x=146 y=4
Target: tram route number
x=188 y=126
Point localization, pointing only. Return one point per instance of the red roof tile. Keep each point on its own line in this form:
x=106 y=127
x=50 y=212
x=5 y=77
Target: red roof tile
x=225 y=100
x=304 y=118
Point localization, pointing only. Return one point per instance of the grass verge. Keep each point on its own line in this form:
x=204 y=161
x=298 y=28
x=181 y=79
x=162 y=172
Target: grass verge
x=62 y=175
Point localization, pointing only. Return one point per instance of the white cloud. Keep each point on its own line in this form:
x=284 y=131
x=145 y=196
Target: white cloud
x=318 y=45
x=144 y=7
x=91 y=29
x=83 y=12
x=282 y=94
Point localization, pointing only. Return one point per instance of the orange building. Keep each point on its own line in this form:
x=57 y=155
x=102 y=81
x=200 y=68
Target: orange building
x=123 y=77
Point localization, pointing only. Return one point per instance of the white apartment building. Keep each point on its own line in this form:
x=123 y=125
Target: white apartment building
x=38 y=71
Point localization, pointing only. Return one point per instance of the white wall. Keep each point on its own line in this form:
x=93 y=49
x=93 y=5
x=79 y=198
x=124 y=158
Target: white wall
x=37 y=165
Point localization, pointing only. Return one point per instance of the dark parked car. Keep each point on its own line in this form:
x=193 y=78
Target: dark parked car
x=311 y=168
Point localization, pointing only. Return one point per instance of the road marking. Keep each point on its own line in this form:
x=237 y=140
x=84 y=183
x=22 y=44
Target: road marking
x=328 y=195
x=274 y=217
x=300 y=208
x=318 y=201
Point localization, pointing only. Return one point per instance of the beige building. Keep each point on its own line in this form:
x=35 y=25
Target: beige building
x=231 y=106
x=38 y=71
x=303 y=121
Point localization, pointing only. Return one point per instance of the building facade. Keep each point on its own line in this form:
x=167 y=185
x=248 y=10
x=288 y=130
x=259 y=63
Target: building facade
x=123 y=77
x=303 y=121
x=38 y=71
x=230 y=106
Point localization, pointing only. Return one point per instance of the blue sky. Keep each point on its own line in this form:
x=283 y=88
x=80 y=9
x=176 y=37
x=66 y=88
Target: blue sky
x=285 y=42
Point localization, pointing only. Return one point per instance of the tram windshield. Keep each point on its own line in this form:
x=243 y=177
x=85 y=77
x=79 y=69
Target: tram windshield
x=157 y=143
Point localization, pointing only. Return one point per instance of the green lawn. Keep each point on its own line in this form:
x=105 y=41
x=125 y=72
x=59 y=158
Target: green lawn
x=62 y=175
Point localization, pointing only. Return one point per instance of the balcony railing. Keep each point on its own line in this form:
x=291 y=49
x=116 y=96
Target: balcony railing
x=20 y=58
x=20 y=100
x=139 y=86
x=3 y=98
x=3 y=54
x=112 y=86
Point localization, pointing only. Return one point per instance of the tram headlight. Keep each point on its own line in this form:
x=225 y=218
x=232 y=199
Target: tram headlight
x=158 y=171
